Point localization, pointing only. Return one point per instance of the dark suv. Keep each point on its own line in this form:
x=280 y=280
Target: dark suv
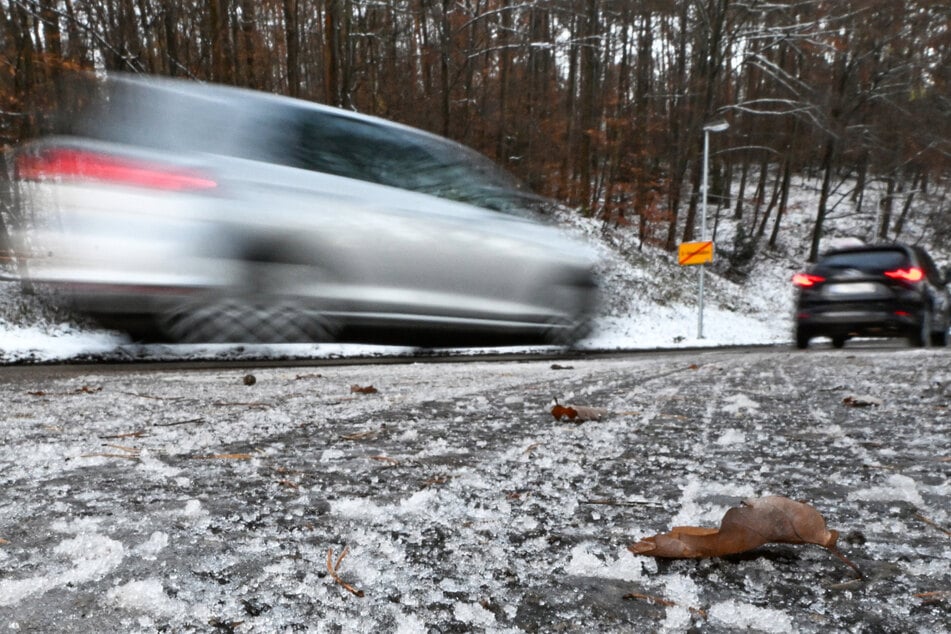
x=892 y=290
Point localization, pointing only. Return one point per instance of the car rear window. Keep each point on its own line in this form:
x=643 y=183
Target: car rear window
x=868 y=261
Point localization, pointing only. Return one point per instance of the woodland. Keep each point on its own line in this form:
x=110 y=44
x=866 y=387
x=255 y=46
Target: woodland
x=599 y=104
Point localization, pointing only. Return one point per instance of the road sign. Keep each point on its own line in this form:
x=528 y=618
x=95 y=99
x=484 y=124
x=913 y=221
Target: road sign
x=695 y=253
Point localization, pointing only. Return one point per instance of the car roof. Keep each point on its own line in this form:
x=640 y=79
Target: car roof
x=891 y=246
x=249 y=98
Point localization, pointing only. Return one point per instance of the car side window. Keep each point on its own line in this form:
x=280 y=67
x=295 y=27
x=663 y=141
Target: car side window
x=354 y=149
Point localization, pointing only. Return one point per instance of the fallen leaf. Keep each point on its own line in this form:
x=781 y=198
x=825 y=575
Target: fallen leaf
x=359 y=389
x=3 y=541
x=772 y=519
x=560 y=411
x=862 y=401
x=577 y=413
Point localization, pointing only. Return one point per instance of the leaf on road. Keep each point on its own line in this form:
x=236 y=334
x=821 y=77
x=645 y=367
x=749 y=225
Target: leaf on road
x=862 y=401
x=577 y=413
x=3 y=541
x=360 y=389
x=772 y=519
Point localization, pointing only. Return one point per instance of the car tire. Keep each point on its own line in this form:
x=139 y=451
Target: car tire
x=939 y=339
x=838 y=341
x=239 y=319
x=922 y=334
x=802 y=338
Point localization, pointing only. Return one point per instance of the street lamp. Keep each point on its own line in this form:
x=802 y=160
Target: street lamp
x=713 y=126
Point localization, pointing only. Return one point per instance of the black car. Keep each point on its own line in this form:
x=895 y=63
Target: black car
x=892 y=290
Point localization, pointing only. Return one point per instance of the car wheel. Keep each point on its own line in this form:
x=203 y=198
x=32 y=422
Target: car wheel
x=802 y=338
x=920 y=337
x=939 y=339
x=237 y=319
x=839 y=341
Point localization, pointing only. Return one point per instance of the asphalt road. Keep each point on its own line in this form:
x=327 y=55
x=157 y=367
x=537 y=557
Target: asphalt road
x=147 y=499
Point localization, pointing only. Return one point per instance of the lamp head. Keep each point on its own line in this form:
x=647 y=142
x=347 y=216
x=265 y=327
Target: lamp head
x=716 y=126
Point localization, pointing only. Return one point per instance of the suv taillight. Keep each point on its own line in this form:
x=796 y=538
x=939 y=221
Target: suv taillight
x=77 y=165
x=805 y=280
x=911 y=274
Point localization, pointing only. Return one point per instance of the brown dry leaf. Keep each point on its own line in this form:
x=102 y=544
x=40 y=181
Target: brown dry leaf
x=772 y=519
x=360 y=389
x=3 y=541
x=862 y=401
x=577 y=413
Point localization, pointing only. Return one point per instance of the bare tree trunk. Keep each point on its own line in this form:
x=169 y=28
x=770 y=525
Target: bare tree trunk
x=827 y=169
x=292 y=42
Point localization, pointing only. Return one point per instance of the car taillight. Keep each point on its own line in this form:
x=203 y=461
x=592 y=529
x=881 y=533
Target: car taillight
x=70 y=164
x=911 y=274
x=805 y=280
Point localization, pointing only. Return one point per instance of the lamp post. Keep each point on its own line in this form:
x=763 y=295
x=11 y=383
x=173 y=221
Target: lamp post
x=713 y=126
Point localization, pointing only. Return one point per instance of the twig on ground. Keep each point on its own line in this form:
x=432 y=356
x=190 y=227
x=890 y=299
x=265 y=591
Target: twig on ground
x=190 y=421
x=224 y=456
x=662 y=601
x=131 y=434
x=935 y=596
x=155 y=398
x=609 y=502
x=933 y=524
x=334 y=568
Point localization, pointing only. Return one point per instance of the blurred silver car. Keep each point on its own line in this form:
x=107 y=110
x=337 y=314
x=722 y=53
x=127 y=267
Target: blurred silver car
x=200 y=213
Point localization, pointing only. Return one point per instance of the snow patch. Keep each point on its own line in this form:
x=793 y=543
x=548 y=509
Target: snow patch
x=743 y=616
x=148 y=596
x=897 y=487
x=626 y=567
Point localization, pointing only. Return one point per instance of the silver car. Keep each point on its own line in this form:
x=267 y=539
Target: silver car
x=191 y=212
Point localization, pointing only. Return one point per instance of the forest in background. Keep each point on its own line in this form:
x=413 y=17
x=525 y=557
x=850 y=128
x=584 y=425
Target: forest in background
x=600 y=104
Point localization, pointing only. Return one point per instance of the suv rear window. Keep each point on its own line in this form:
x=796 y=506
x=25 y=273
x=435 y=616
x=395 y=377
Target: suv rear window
x=875 y=261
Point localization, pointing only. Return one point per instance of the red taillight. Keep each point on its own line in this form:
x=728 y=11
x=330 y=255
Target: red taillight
x=911 y=274
x=805 y=280
x=69 y=164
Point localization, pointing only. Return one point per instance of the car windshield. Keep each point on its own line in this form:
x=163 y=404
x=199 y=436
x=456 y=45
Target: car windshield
x=873 y=261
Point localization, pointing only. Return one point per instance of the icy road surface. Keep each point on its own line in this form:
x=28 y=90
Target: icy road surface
x=208 y=501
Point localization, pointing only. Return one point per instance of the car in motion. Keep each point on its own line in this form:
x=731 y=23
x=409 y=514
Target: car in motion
x=889 y=290
x=191 y=212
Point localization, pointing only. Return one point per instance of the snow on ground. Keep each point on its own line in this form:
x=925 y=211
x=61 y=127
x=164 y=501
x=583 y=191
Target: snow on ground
x=154 y=500
x=196 y=502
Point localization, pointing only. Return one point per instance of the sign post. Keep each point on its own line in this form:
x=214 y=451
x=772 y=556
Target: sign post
x=716 y=126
